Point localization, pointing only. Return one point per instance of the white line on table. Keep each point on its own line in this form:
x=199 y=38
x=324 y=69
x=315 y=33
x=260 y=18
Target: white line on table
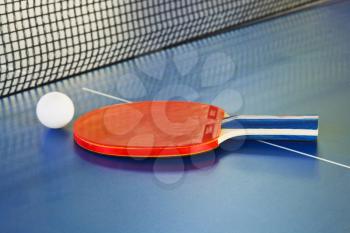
x=261 y=141
x=305 y=154
x=105 y=95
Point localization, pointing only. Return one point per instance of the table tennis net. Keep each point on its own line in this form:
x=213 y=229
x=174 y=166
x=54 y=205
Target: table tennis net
x=45 y=41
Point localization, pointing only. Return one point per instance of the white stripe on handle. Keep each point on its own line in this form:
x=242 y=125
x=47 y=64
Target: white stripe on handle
x=286 y=117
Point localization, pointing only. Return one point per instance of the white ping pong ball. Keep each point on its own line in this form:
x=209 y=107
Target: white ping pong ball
x=55 y=110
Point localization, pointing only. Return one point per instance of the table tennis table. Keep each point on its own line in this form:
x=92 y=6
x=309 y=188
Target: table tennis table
x=296 y=64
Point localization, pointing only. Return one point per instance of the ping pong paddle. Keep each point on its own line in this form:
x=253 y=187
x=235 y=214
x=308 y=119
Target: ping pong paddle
x=178 y=128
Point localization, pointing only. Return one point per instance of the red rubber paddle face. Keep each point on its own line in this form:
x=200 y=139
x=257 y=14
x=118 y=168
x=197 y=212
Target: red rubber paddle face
x=150 y=129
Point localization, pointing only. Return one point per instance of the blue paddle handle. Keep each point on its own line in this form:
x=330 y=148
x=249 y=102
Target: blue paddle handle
x=264 y=127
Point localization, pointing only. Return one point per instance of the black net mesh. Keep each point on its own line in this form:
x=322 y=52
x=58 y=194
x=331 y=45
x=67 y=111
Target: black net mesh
x=47 y=40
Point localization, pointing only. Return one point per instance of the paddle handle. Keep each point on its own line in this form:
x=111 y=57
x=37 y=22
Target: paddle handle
x=267 y=127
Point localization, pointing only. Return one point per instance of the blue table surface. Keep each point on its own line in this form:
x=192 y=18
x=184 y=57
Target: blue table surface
x=295 y=64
